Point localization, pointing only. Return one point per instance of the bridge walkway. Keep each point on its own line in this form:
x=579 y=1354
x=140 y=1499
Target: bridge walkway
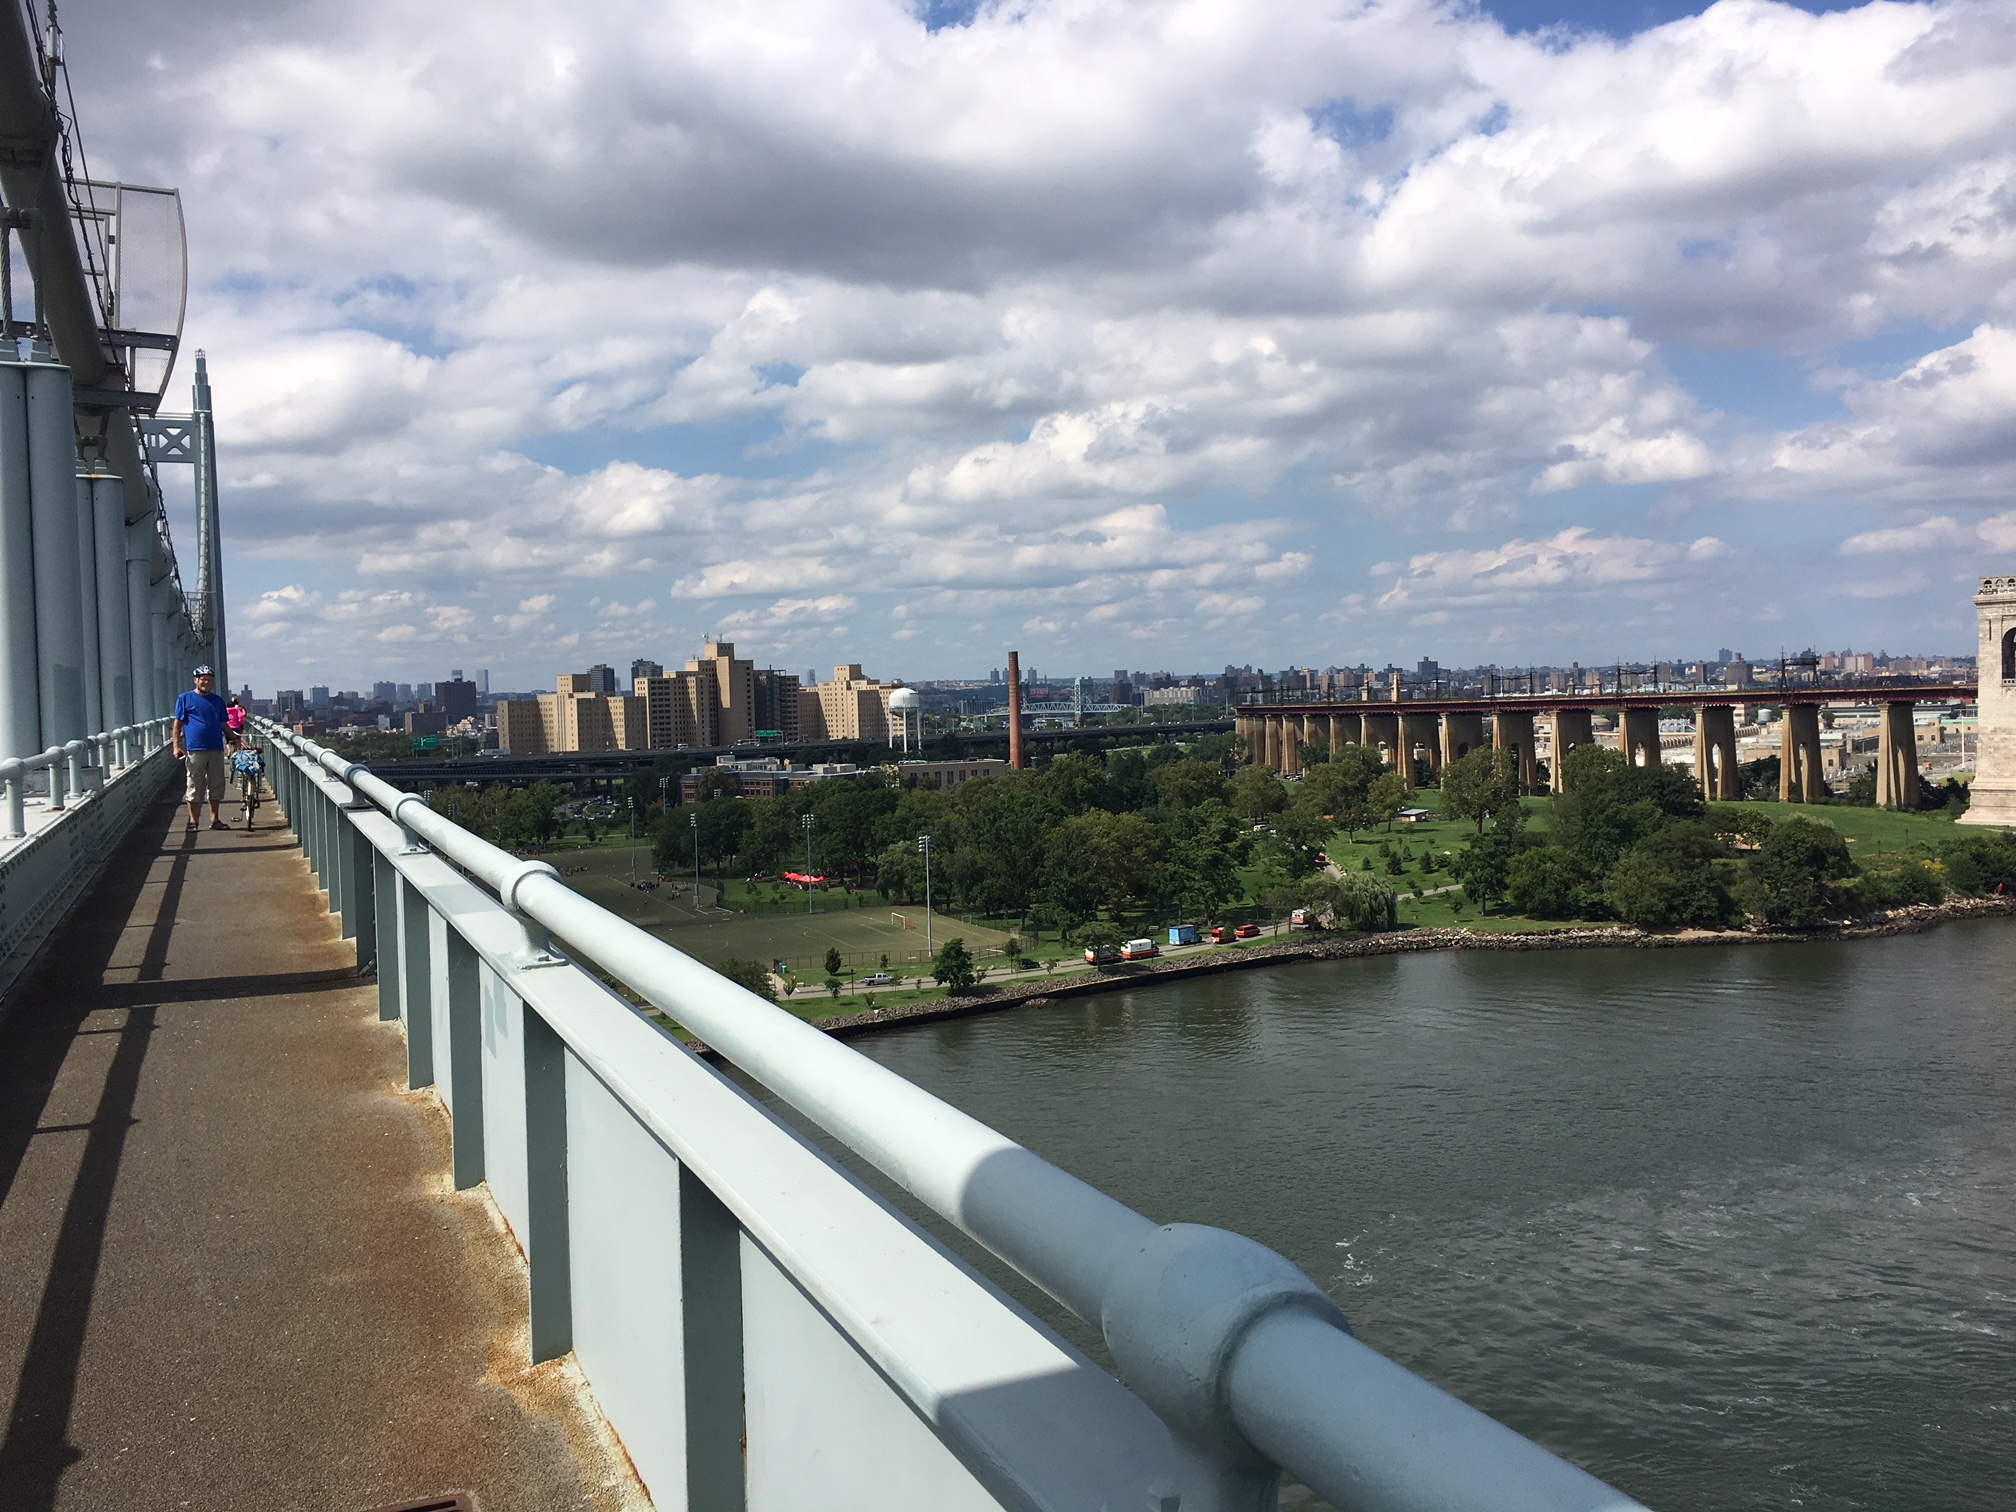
x=232 y=1271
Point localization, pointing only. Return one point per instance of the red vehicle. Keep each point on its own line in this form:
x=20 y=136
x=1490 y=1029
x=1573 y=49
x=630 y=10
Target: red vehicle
x=1221 y=934
x=1247 y=931
x=1139 y=950
x=1098 y=955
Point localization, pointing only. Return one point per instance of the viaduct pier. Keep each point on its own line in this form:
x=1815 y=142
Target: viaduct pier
x=1437 y=730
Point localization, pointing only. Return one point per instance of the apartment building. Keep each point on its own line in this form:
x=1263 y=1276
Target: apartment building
x=852 y=706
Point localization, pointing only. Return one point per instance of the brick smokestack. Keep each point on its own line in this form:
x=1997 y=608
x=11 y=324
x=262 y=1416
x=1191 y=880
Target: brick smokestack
x=1015 y=756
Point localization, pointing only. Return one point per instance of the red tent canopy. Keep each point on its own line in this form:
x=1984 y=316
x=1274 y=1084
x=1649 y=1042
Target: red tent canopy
x=803 y=879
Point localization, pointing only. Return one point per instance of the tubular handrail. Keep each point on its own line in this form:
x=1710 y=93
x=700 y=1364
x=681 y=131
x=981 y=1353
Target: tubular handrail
x=65 y=766
x=1247 y=1360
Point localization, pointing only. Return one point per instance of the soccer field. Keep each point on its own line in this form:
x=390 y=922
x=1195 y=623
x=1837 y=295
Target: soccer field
x=863 y=933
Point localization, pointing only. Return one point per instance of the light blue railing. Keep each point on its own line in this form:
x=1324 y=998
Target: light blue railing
x=61 y=813
x=760 y=1330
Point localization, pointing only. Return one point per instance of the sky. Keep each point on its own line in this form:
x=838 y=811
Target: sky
x=1124 y=334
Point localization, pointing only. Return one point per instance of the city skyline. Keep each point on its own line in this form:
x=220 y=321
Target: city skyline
x=1291 y=326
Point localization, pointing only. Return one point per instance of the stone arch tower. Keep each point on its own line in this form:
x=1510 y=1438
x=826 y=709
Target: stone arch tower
x=1994 y=786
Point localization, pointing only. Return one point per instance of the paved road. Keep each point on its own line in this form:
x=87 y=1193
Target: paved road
x=231 y=1274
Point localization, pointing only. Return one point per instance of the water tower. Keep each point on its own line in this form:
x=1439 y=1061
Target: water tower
x=905 y=706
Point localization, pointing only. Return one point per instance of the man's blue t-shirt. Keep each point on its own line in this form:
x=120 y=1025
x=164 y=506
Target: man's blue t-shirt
x=201 y=716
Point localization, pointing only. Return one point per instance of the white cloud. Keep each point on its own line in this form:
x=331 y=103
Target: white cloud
x=1074 y=306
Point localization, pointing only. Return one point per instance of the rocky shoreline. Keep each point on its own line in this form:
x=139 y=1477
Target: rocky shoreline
x=1325 y=947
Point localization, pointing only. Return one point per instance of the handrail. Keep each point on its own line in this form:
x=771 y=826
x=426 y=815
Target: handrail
x=1247 y=1360
x=65 y=764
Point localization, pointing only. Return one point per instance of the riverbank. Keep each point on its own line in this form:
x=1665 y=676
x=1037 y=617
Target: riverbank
x=1336 y=947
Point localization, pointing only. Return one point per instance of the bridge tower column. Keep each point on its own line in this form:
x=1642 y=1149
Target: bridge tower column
x=1571 y=727
x=1513 y=731
x=1799 y=755
x=1638 y=736
x=1992 y=794
x=1291 y=745
x=1715 y=754
x=1343 y=731
x=1897 y=758
x=1382 y=733
x=1316 y=732
x=1425 y=731
x=1461 y=734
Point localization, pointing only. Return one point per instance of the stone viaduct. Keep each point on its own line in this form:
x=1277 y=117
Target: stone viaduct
x=1440 y=730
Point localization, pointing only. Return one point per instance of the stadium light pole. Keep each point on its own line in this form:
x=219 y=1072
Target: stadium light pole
x=924 y=845
x=805 y=822
x=694 y=820
x=633 y=844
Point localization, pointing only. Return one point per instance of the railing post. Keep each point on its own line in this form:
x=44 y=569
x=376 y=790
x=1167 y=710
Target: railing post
x=547 y=1253
x=359 y=919
x=54 y=756
x=710 y=1315
x=416 y=987
x=465 y=1058
x=385 y=932
x=15 y=776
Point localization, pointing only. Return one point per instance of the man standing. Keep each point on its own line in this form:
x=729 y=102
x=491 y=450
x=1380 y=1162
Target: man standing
x=199 y=742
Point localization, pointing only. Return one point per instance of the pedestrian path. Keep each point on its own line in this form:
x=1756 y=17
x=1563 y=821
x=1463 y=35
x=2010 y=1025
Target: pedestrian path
x=232 y=1273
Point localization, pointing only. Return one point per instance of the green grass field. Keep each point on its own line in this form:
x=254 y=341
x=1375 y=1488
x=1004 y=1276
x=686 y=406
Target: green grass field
x=862 y=928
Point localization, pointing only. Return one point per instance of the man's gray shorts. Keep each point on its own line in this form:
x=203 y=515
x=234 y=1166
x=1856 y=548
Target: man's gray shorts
x=206 y=776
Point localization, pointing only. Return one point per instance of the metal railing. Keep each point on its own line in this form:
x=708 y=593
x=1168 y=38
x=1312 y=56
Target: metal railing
x=110 y=751
x=759 y=1328
x=53 y=841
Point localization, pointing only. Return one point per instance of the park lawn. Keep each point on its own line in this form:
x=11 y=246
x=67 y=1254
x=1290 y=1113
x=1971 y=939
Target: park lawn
x=1871 y=830
x=862 y=928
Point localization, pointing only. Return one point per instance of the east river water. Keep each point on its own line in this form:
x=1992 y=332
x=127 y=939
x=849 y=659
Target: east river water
x=1730 y=1227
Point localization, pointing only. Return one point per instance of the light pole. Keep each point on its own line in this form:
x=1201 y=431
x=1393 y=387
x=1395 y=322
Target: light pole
x=633 y=844
x=805 y=822
x=924 y=845
x=694 y=820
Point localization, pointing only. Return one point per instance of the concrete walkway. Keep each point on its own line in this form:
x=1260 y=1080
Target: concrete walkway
x=232 y=1274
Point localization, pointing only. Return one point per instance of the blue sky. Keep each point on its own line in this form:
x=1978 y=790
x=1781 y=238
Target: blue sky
x=1259 y=332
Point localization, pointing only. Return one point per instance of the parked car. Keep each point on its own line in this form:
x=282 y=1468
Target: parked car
x=879 y=979
x=1247 y=931
x=1221 y=934
x=1139 y=950
x=1099 y=955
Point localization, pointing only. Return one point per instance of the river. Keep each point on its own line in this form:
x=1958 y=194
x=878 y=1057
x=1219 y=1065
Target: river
x=1729 y=1227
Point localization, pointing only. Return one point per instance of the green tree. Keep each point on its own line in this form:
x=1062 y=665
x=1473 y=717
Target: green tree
x=1607 y=806
x=1547 y=883
x=953 y=967
x=1794 y=877
x=1183 y=785
x=1354 y=900
x=752 y=976
x=1202 y=848
x=832 y=962
x=1256 y=793
x=1670 y=878
x=1385 y=798
x=1484 y=866
x=1480 y=785
x=1981 y=863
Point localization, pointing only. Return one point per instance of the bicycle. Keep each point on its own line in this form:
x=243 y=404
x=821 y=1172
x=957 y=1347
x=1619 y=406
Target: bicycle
x=249 y=769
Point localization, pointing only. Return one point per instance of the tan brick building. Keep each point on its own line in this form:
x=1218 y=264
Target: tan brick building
x=852 y=706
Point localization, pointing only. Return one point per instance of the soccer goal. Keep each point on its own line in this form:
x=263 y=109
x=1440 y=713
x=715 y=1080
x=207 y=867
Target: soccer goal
x=900 y=921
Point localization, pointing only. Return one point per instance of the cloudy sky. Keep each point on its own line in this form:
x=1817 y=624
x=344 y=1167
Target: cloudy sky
x=1125 y=333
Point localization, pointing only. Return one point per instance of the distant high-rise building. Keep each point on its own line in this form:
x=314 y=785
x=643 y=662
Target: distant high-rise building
x=643 y=667
x=483 y=683
x=1428 y=670
x=385 y=692
x=852 y=706
x=288 y=701
x=318 y=697
x=456 y=698
x=1724 y=654
x=777 y=706
x=423 y=691
x=405 y=693
x=601 y=678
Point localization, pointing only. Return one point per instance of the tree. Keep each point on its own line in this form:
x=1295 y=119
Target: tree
x=1355 y=900
x=1256 y=793
x=1981 y=863
x=1183 y=785
x=1385 y=798
x=953 y=967
x=1202 y=849
x=1338 y=788
x=1669 y=878
x=1480 y=785
x=1607 y=806
x=1793 y=878
x=1484 y=866
x=751 y=976
x=1547 y=883
x=832 y=962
